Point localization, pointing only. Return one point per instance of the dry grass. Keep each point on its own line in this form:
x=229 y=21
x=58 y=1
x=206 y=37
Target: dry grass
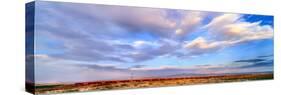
x=141 y=83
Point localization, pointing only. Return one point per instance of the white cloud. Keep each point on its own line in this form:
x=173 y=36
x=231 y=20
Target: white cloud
x=227 y=30
x=233 y=27
x=223 y=20
x=156 y=20
x=200 y=43
x=201 y=46
x=179 y=32
x=189 y=22
x=144 y=44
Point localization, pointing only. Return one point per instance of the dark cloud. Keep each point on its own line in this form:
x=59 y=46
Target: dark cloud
x=141 y=55
x=268 y=63
x=260 y=61
x=251 y=60
x=265 y=56
x=124 y=46
x=164 y=49
x=99 y=67
x=138 y=66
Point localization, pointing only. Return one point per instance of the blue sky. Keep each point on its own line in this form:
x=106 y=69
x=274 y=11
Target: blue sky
x=87 y=42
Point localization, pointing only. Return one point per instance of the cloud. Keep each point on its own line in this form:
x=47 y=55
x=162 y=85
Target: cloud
x=69 y=73
x=200 y=43
x=251 y=60
x=101 y=67
x=259 y=61
x=106 y=35
x=151 y=51
x=133 y=19
x=189 y=23
x=93 y=35
x=267 y=63
x=137 y=67
x=52 y=72
x=265 y=56
x=232 y=27
x=201 y=46
x=140 y=44
x=227 y=30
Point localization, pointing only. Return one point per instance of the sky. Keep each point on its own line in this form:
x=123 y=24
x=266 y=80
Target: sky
x=77 y=42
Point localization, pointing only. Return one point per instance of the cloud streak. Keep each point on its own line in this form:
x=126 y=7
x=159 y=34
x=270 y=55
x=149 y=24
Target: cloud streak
x=81 y=72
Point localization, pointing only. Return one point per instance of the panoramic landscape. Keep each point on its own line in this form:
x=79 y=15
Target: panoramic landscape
x=73 y=47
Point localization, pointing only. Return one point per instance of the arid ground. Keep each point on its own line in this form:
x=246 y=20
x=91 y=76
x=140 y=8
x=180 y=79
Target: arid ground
x=141 y=83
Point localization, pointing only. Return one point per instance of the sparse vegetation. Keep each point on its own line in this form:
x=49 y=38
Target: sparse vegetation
x=140 y=83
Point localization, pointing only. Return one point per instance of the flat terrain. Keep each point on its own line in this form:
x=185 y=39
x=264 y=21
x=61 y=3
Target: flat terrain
x=141 y=83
